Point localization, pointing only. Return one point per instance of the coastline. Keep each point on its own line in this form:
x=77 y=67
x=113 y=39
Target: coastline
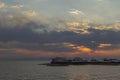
x=61 y=61
x=81 y=63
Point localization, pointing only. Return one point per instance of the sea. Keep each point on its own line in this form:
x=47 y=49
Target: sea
x=30 y=70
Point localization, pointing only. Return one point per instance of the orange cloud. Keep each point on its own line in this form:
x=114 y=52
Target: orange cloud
x=69 y=45
x=40 y=53
x=107 y=53
x=104 y=45
x=84 y=49
x=79 y=48
x=34 y=52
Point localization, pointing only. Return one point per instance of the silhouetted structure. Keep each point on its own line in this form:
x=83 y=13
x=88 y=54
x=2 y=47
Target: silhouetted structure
x=61 y=61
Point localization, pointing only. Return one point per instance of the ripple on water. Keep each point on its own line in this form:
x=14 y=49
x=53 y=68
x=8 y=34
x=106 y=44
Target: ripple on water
x=29 y=70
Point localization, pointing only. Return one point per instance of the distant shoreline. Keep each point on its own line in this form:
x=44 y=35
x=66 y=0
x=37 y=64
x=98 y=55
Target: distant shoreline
x=61 y=61
x=81 y=63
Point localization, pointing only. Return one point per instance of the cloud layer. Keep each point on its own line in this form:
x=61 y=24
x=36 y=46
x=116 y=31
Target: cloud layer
x=25 y=33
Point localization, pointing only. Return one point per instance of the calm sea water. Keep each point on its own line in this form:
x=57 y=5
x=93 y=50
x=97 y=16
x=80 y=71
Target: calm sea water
x=30 y=70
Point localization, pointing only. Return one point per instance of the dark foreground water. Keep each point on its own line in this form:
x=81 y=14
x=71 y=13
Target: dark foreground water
x=30 y=70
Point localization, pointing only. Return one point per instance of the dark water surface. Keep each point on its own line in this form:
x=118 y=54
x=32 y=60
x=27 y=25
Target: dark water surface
x=30 y=70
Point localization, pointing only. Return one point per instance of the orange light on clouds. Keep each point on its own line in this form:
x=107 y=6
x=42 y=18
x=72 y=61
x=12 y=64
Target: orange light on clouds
x=81 y=48
x=104 y=45
x=84 y=49
x=69 y=44
x=35 y=52
x=114 y=52
x=79 y=51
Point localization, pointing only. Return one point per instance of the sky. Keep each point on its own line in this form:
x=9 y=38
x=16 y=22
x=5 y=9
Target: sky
x=41 y=29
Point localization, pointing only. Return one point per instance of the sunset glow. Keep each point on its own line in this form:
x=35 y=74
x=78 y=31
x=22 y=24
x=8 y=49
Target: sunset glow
x=50 y=28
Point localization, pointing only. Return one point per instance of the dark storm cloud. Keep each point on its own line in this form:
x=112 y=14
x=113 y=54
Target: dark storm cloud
x=26 y=35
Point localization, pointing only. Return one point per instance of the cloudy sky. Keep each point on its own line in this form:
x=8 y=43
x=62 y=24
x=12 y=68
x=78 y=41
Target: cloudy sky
x=37 y=29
